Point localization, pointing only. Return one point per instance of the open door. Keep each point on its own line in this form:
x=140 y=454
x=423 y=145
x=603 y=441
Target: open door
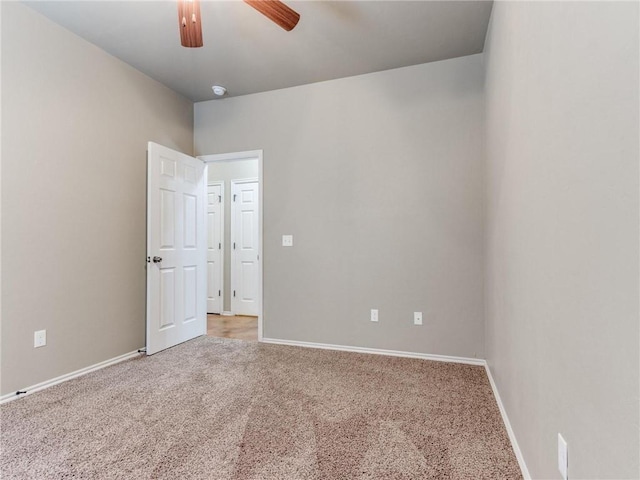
x=176 y=248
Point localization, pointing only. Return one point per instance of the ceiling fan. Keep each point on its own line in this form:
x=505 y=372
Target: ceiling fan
x=191 y=22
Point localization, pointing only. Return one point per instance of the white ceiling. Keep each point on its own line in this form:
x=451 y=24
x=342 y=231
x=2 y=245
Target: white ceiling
x=247 y=53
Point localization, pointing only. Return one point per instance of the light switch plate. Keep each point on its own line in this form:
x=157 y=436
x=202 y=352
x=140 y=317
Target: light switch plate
x=287 y=240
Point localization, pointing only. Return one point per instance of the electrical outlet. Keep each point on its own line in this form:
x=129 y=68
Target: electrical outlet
x=563 y=458
x=287 y=240
x=417 y=318
x=374 y=315
x=39 y=338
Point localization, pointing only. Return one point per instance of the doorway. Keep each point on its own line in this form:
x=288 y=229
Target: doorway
x=234 y=261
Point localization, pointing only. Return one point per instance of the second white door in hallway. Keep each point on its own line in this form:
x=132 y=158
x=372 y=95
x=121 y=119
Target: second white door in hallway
x=245 y=253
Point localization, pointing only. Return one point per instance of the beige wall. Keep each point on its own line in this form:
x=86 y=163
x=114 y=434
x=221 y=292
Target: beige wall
x=379 y=179
x=225 y=171
x=75 y=126
x=562 y=231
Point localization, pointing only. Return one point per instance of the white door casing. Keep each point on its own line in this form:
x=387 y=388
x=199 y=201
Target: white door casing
x=245 y=253
x=176 y=248
x=215 y=244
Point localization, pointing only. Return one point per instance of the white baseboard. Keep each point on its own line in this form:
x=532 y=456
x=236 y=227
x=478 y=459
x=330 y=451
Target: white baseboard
x=227 y=314
x=63 y=378
x=507 y=424
x=377 y=351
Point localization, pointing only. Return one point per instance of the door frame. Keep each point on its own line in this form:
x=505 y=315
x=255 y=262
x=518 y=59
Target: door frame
x=219 y=183
x=246 y=155
x=233 y=226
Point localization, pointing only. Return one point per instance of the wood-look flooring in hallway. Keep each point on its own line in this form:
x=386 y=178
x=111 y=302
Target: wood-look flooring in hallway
x=238 y=327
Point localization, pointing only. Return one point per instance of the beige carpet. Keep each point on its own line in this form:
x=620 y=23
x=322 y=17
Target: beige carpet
x=226 y=409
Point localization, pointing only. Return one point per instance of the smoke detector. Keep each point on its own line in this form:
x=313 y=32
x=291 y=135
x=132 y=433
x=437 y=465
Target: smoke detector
x=218 y=90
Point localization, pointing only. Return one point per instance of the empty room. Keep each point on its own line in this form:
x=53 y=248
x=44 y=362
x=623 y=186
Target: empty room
x=320 y=239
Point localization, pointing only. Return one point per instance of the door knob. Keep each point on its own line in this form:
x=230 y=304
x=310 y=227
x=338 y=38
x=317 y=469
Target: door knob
x=157 y=259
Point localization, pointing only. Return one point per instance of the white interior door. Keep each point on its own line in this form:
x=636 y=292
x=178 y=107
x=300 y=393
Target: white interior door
x=215 y=257
x=245 y=224
x=176 y=248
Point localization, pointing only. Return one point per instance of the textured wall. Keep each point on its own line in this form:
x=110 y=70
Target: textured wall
x=76 y=122
x=562 y=231
x=379 y=179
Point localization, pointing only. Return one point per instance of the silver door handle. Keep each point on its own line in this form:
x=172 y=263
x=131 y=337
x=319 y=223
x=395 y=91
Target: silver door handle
x=157 y=259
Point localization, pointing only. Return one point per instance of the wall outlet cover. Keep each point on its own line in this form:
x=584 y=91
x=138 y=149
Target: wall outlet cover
x=374 y=315
x=417 y=318
x=287 y=240
x=39 y=338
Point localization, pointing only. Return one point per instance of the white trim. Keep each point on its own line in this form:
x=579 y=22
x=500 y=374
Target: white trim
x=63 y=378
x=219 y=183
x=377 y=351
x=507 y=425
x=220 y=157
x=243 y=180
x=227 y=314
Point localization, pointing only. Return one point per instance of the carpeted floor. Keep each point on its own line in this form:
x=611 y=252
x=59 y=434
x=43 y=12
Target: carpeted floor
x=226 y=409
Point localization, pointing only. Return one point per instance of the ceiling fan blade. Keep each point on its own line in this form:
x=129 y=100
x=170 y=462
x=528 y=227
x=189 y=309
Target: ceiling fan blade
x=190 y=23
x=276 y=11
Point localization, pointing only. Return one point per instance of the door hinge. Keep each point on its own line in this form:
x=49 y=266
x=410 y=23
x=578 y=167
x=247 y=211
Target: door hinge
x=234 y=293
x=219 y=246
x=234 y=245
x=234 y=197
x=219 y=199
x=219 y=293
